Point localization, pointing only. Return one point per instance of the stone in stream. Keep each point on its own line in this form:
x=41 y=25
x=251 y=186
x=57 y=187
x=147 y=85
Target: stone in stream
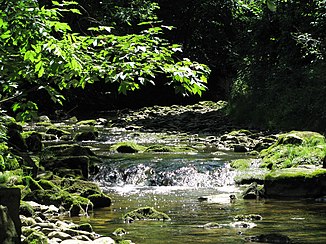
x=145 y=213
x=296 y=182
x=269 y=238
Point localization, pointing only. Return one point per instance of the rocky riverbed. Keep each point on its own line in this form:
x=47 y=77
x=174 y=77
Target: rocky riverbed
x=52 y=162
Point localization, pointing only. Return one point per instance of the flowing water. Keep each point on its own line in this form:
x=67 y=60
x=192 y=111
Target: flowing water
x=173 y=183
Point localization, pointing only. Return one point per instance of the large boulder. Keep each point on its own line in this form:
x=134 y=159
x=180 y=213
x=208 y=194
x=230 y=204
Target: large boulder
x=8 y=233
x=10 y=199
x=294 y=149
x=296 y=182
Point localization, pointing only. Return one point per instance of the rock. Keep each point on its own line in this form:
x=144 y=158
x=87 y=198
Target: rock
x=58 y=198
x=26 y=209
x=101 y=240
x=34 y=142
x=15 y=139
x=269 y=238
x=296 y=182
x=37 y=237
x=119 y=232
x=57 y=132
x=127 y=147
x=60 y=235
x=249 y=217
x=84 y=227
x=100 y=200
x=86 y=136
x=10 y=198
x=253 y=191
x=145 y=213
x=27 y=221
x=8 y=233
x=240 y=148
x=104 y=240
x=73 y=162
x=44 y=118
x=211 y=225
x=241 y=224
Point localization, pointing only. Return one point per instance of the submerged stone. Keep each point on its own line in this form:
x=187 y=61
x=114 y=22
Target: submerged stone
x=269 y=238
x=145 y=213
x=248 y=217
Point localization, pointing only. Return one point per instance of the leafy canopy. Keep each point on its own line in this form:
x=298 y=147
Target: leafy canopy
x=39 y=51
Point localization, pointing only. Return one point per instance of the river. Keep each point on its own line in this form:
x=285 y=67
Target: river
x=174 y=183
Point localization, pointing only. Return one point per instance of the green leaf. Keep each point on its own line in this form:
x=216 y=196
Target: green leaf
x=6 y=35
x=30 y=55
x=271 y=5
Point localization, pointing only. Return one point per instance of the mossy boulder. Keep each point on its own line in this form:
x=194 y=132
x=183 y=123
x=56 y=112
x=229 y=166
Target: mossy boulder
x=59 y=198
x=296 y=182
x=36 y=237
x=80 y=163
x=145 y=213
x=128 y=147
x=34 y=142
x=100 y=200
x=294 y=149
x=83 y=227
x=241 y=164
x=86 y=136
x=26 y=209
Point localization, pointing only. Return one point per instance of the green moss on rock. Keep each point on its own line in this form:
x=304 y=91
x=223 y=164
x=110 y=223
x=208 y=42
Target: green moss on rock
x=128 y=147
x=241 y=164
x=145 y=213
x=294 y=149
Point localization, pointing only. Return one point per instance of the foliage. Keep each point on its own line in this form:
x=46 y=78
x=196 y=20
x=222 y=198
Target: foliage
x=38 y=51
x=281 y=67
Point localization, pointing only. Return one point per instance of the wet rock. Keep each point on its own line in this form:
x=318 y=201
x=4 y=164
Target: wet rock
x=81 y=163
x=119 y=232
x=270 y=238
x=241 y=224
x=100 y=200
x=249 y=217
x=145 y=213
x=26 y=209
x=36 y=237
x=57 y=132
x=296 y=182
x=240 y=148
x=34 y=142
x=86 y=136
x=8 y=233
x=60 y=235
x=128 y=147
x=253 y=191
x=15 y=139
x=211 y=225
x=10 y=201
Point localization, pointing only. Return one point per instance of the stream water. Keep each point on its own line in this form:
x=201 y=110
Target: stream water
x=173 y=183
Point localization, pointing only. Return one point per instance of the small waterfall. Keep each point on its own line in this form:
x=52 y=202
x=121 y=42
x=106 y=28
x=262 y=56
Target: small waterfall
x=184 y=170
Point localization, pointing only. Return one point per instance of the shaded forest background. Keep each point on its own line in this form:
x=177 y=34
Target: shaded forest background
x=267 y=58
